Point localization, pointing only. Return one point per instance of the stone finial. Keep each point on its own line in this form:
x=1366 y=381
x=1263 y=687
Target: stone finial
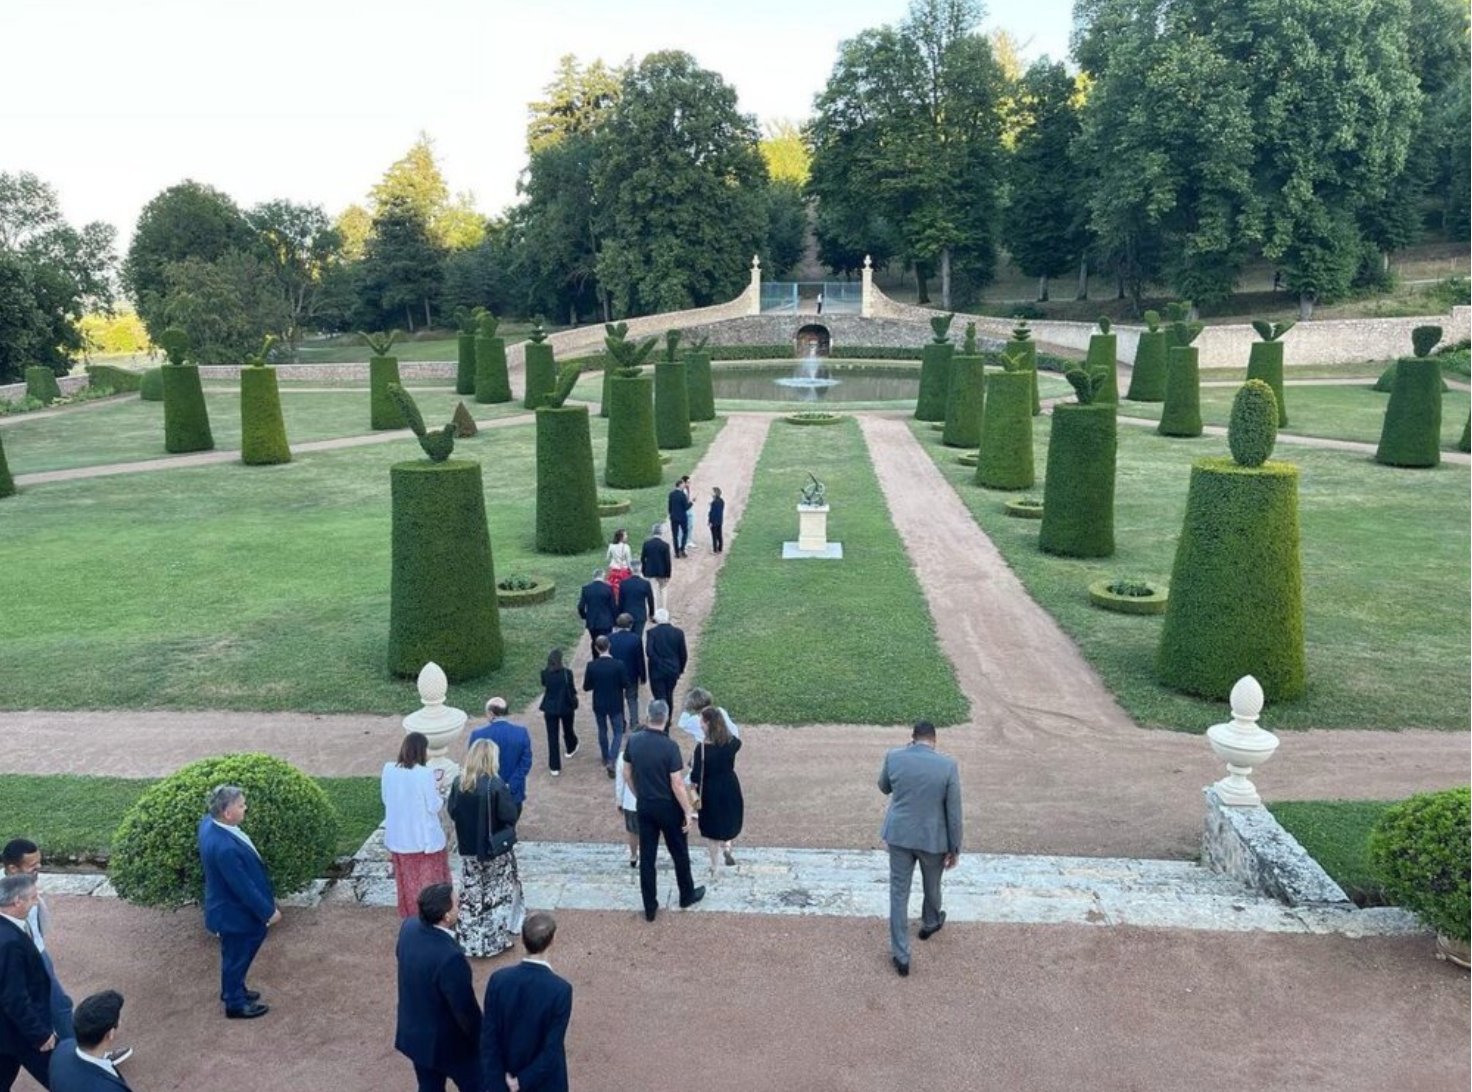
x=868 y=262
x=440 y=723
x=1242 y=744
x=756 y=261
x=433 y=684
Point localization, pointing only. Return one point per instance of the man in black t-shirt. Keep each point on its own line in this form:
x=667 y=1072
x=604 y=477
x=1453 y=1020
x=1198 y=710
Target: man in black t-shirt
x=654 y=769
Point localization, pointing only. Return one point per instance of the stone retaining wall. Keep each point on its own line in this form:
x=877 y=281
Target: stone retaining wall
x=1248 y=844
x=843 y=330
x=69 y=384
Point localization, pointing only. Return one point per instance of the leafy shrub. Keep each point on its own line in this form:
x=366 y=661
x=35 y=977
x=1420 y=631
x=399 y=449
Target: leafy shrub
x=383 y=412
x=540 y=374
x=7 y=483
x=1456 y=359
x=1135 y=589
x=1078 y=493
x=186 y=417
x=1419 y=850
x=671 y=405
x=151 y=386
x=1253 y=427
x=1147 y=380
x=41 y=384
x=1411 y=433
x=516 y=582
x=155 y=853
x=699 y=387
x=262 y=428
x=465 y=426
x=114 y=378
x=1424 y=339
x=567 y=491
x=966 y=401
x=1005 y=459
x=1181 y=414
x=935 y=381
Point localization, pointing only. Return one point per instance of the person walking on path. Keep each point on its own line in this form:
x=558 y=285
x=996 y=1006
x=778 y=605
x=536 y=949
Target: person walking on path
x=559 y=706
x=620 y=558
x=922 y=823
x=485 y=815
x=597 y=607
x=412 y=832
x=636 y=598
x=713 y=773
x=239 y=901
x=697 y=700
x=666 y=657
x=438 y=1027
x=87 y=1062
x=654 y=559
x=513 y=743
x=654 y=773
x=689 y=489
x=26 y=1035
x=717 y=520
x=607 y=680
x=625 y=647
x=21 y=855
x=678 y=506
x=626 y=802
x=528 y=1007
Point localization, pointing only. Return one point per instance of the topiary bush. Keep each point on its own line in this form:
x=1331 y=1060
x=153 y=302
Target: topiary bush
x=1411 y=433
x=1386 y=383
x=567 y=491
x=1419 y=852
x=119 y=380
x=465 y=426
x=1005 y=459
x=966 y=402
x=671 y=397
x=1181 y=414
x=1465 y=443
x=41 y=385
x=633 y=460
x=155 y=852
x=1104 y=354
x=1265 y=361
x=383 y=372
x=1147 y=377
x=935 y=370
x=1253 y=427
x=492 y=379
x=700 y=387
x=186 y=418
x=540 y=371
x=1023 y=352
x=465 y=350
x=1078 y=495
x=151 y=386
x=262 y=428
x=7 y=483
x=1424 y=339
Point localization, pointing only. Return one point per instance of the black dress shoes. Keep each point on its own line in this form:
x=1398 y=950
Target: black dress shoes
x=903 y=968
x=252 y=995
x=250 y=1012
x=695 y=896
x=930 y=930
x=649 y=914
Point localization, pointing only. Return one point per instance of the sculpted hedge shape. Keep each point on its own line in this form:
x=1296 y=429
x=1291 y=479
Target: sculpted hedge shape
x=1253 y=428
x=1418 y=851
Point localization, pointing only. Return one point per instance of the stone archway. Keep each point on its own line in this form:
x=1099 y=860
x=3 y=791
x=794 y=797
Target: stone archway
x=812 y=340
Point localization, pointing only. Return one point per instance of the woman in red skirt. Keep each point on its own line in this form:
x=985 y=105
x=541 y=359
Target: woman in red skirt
x=620 y=557
x=412 y=831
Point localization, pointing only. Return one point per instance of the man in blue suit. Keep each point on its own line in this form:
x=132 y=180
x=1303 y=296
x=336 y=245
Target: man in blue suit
x=26 y=1035
x=239 y=901
x=23 y=855
x=439 y=1021
x=525 y=1025
x=513 y=743
x=84 y=1064
x=625 y=647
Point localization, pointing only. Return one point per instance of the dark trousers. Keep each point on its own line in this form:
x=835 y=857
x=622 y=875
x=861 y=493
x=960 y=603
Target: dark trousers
x=667 y=820
x=594 y=634
x=569 y=739
x=680 y=530
x=466 y=1077
x=717 y=539
x=237 y=950
x=61 y=1004
x=662 y=688
x=631 y=699
x=609 y=749
x=36 y=1063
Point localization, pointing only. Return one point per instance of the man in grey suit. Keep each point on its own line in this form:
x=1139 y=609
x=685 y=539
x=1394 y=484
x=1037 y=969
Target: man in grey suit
x=922 y=823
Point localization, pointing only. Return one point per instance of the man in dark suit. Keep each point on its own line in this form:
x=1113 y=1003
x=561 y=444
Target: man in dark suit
x=26 y=1036
x=523 y=1035
x=625 y=647
x=513 y=744
x=239 y=901
x=439 y=1021
x=85 y=1064
x=23 y=855
x=608 y=681
x=597 y=607
x=664 y=648
x=636 y=597
x=679 y=511
x=654 y=557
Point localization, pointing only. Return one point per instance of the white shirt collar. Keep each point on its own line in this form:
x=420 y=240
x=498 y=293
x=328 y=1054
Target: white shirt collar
x=244 y=837
x=448 y=932
x=100 y=1063
x=19 y=923
x=534 y=959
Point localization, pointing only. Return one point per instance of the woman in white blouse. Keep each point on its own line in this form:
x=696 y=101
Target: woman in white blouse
x=412 y=832
x=620 y=558
x=695 y=702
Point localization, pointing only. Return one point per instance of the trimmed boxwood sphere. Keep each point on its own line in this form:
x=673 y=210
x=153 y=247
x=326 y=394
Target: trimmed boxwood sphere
x=1078 y=496
x=1265 y=362
x=1104 y=353
x=41 y=384
x=1418 y=851
x=7 y=483
x=262 y=429
x=1411 y=433
x=1181 y=415
x=442 y=592
x=632 y=461
x=155 y=852
x=540 y=374
x=383 y=412
x=1147 y=380
x=966 y=402
x=465 y=364
x=151 y=386
x=699 y=385
x=1005 y=461
x=671 y=405
x=186 y=418
x=492 y=380
x=935 y=381
x=1236 y=588
x=567 y=492
x=1026 y=353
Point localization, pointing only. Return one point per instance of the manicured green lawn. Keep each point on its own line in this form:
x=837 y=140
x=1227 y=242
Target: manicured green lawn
x=130 y=429
x=806 y=641
x=1368 y=372
x=1336 y=833
x=70 y=816
x=234 y=587
x=1340 y=413
x=1386 y=583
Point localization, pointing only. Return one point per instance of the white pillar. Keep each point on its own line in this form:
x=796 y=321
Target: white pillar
x=754 y=302
x=866 y=296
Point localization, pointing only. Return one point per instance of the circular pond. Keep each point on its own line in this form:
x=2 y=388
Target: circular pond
x=816 y=382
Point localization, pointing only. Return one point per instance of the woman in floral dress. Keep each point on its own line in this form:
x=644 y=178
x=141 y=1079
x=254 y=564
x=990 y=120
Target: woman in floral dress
x=485 y=815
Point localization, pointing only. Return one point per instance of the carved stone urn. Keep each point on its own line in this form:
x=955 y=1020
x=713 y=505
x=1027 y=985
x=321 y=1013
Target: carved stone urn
x=441 y=724
x=1242 y=744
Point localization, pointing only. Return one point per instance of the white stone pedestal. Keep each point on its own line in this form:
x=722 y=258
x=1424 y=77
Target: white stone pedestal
x=440 y=723
x=812 y=535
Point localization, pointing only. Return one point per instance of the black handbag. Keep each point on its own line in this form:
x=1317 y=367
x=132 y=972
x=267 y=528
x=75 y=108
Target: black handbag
x=503 y=836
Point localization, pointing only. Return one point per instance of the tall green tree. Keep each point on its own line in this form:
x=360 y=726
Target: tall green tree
x=402 y=267
x=226 y=306
x=785 y=152
x=787 y=227
x=298 y=244
x=416 y=182
x=577 y=103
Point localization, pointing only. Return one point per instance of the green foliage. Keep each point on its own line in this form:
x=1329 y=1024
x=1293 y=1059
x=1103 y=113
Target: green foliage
x=538 y=333
x=383 y=411
x=567 y=491
x=1152 y=321
x=671 y=346
x=1147 y=379
x=1271 y=331
x=262 y=428
x=155 y=853
x=41 y=385
x=632 y=461
x=465 y=426
x=260 y=356
x=1181 y=414
x=7 y=482
x=1078 y=493
x=1045 y=227
x=1424 y=339
x=1336 y=834
x=437 y=445
x=1465 y=443
x=1411 y=433
x=671 y=403
x=492 y=377
x=443 y=578
x=540 y=373
x=380 y=343
x=175 y=344
x=700 y=388
x=1103 y=357
x=940 y=328
x=113 y=378
x=465 y=362
x=965 y=402
x=969 y=348
x=1254 y=426
x=186 y=417
x=467 y=321
x=1265 y=362
x=628 y=356
x=151 y=386
x=1005 y=460
x=403 y=267
x=1236 y=588
x=1419 y=849
x=1104 y=324
x=1021 y=332
x=935 y=381
x=567 y=379
x=486 y=323
x=1088 y=383
x=1022 y=354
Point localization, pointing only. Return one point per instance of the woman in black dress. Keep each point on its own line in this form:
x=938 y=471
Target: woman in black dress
x=559 y=703
x=713 y=773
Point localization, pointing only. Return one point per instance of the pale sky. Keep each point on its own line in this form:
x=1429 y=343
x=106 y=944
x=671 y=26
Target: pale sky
x=111 y=101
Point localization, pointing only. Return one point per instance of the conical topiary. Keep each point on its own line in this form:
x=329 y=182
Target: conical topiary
x=1181 y=414
x=632 y=461
x=186 y=417
x=262 y=428
x=383 y=372
x=1022 y=350
x=671 y=397
x=492 y=381
x=966 y=402
x=1236 y=588
x=466 y=320
x=1104 y=353
x=541 y=368
x=1265 y=361
x=698 y=381
x=567 y=490
x=935 y=369
x=465 y=426
x=1147 y=378
x=1005 y=459
x=1078 y=493
x=1411 y=433
x=41 y=385
x=7 y=483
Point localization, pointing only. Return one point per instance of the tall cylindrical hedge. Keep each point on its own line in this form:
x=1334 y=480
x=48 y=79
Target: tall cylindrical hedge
x=632 y=461
x=7 y=483
x=702 y=391
x=492 y=380
x=1181 y=414
x=151 y=387
x=966 y=402
x=1005 y=460
x=1104 y=353
x=1147 y=379
x=186 y=418
x=935 y=381
x=671 y=405
x=1078 y=495
x=262 y=428
x=567 y=491
x=442 y=588
x=1465 y=443
x=539 y=374
x=1265 y=362
x=41 y=384
x=1026 y=354
x=603 y=398
x=1411 y=433
x=465 y=364
x=383 y=412
x=1236 y=589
